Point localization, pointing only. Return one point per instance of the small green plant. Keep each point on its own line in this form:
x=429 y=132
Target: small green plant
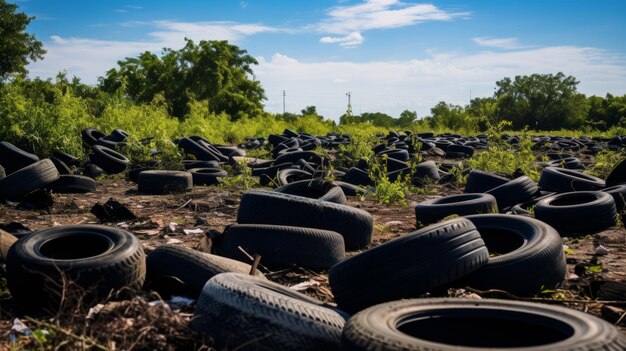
x=606 y=160
x=386 y=191
x=242 y=181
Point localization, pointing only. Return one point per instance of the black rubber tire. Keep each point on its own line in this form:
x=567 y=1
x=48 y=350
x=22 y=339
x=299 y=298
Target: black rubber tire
x=281 y=246
x=480 y=181
x=243 y=312
x=562 y=180
x=194 y=148
x=518 y=190
x=523 y=208
x=96 y=258
x=292 y=157
x=269 y=207
x=466 y=151
x=28 y=179
x=409 y=266
x=111 y=161
x=2 y=173
x=177 y=270
x=315 y=189
x=117 y=135
x=520 y=247
x=13 y=158
x=580 y=212
x=72 y=184
x=351 y=189
x=617 y=175
x=91 y=135
x=398 y=154
x=290 y=175
x=61 y=166
x=191 y=164
x=357 y=176
x=207 y=176
x=133 y=173
x=426 y=172
x=162 y=182
x=469 y=325
x=92 y=171
x=431 y=211
x=619 y=195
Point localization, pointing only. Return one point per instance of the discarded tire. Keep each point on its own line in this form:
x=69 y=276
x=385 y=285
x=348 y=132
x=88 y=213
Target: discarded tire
x=207 y=176
x=72 y=184
x=61 y=166
x=479 y=181
x=618 y=192
x=581 y=212
x=518 y=190
x=468 y=324
x=91 y=135
x=28 y=179
x=315 y=189
x=238 y=311
x=97 y=259
x=269 y=207
x=520 y=247
x=111 y=161
x=162 y=182
x=290 y=175
x=409 y=266
x=177 y=270
x=431 y=211
x=562 y=180
x=281 y=246
x=617 y=175
x=13 y=158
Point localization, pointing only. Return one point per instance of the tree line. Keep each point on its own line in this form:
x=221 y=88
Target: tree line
x=221 y=75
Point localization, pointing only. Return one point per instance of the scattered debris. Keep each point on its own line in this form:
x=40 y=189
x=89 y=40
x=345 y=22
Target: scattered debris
x=601 y=251
x=112 y=211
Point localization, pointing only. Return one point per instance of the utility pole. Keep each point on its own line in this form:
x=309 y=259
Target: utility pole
x=349 y=111
x=470 y=95
x=284 y=94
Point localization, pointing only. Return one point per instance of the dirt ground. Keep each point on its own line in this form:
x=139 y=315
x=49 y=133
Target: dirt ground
x=163 y=219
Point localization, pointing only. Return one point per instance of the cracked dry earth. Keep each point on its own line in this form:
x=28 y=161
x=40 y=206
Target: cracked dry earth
x=213 y=208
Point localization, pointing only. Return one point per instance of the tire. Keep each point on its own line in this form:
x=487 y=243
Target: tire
x=92 y=171
x=357 y=176
x=523 y=209
x=96 y=258
x=617 y=175
x=520 y=247
x=133 y=174
x=28 y=179
x=243 y=312
x=618 y=192
x=562 y=180
x=581 y=212
x=351 y=189
x=91 y=135
x=13 y=158
x=111 y=161
x=290 y=175
x=2 y=173
x=315 y=189
x=207 y=176
x=72 y=184
x=268 y=207
x=469 y=324
x=177 y=270
x=191 y=164
x=409 y=266
x=425 y=172
x=292 y=157
x=162 y=182
x=466 y=151
x=61 y=167
x=281 y=246
x=518 y=190
x=479 y=181
x=431 y=211
x=194 y=148
x=398 y=154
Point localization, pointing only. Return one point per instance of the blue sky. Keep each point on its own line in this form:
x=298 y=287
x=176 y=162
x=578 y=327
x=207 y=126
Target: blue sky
x=391 y=55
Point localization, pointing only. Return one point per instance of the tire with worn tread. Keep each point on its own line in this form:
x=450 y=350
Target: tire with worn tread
x=162 y=182
x=245 y=313
x=207 y=176
x=434 y=210
x=469 y=325
x=281 y=246
x=563 y=180
x=111 y=161
x=177 y=270
x=13 y=158
x=513 y=192
x=409 y=266
x=269 y=207
x=480 y=181
x=520 y=247
x=315 y=189
x=580 y=212
x=95 y=258
x=28 y=179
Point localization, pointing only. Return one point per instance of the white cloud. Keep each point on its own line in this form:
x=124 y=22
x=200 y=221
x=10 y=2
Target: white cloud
x=500 y=43
x=392 y=86
x=382 y=14
x=351 y=40
x=243 y=4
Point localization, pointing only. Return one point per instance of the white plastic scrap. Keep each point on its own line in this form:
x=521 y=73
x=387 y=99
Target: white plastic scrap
x=19 y=327
x=196 y=231
x=94 y=310
x=601 y=250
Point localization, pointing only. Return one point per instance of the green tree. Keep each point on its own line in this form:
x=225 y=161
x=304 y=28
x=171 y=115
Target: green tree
x=311 y=111
x=17 y=47
x=215 y=71
x=448 y=116
x=606 y=112
x=407 y=118
x=541 y=101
